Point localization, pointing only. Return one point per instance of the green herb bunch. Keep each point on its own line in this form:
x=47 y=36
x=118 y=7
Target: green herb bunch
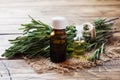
x=103 y=33
x=35 y=39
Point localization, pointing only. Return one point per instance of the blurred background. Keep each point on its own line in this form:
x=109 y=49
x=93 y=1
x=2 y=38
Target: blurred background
x=13 y=13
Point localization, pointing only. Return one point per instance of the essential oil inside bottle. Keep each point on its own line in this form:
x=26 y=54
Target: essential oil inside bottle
x=79 y=48
x=58 y=41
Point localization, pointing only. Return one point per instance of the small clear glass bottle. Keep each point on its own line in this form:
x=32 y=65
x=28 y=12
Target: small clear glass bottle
x=79 y=43
x=58 y=40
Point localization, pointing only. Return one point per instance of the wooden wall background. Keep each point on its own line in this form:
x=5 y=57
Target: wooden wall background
x=15 y=12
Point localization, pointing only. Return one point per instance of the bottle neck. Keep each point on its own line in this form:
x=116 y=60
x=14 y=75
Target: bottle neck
x=59 y=31
x=79 y=36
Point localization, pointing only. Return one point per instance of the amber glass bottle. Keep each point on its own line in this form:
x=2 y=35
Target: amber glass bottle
x=58 y=40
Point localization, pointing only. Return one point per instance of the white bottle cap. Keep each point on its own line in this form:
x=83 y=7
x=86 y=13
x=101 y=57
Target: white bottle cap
x=59 y=23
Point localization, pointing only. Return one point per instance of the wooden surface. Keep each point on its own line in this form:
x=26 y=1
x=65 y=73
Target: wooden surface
x=19 y=70
x=15 y=12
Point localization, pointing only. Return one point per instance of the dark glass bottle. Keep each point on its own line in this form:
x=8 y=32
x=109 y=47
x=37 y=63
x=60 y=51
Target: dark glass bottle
x=58 y=41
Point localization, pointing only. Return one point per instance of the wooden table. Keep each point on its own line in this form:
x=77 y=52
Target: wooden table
x=15 y=12
x=19 y=70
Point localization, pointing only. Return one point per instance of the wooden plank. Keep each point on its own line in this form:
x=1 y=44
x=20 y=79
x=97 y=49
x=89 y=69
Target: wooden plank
x=20 y=70
x=61 y=2
x=13 y=25
x=46 y=15
x=10 y=29
x=3 y=71
x=18 y=67
x=58 y=10
x=4 y=43
x=9 y=23
x=4 y=39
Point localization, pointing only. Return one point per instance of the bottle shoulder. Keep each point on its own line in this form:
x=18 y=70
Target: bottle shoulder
x=58 y=32
x=77 y=38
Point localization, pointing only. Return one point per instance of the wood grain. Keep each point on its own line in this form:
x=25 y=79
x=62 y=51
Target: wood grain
x=13 y=13
x=19 y=70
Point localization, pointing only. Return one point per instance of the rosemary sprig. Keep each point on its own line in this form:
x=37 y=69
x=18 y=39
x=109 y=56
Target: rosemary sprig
x=34 y=41
x=104 y=32
x=96 y=54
